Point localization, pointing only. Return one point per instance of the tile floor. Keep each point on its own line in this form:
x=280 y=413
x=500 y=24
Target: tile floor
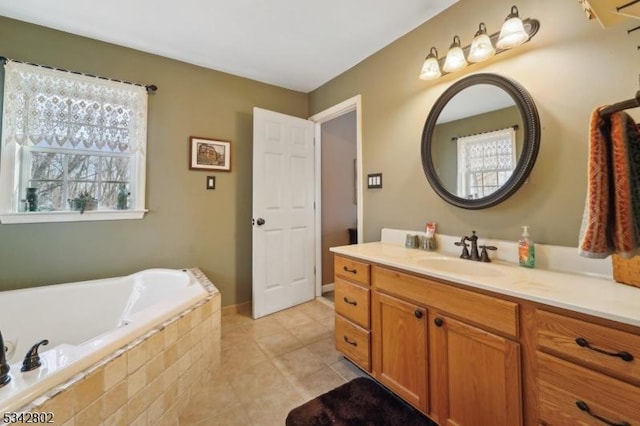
x=270 y=366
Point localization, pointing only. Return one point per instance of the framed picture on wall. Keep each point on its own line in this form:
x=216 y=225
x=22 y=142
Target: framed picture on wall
x=209 y=154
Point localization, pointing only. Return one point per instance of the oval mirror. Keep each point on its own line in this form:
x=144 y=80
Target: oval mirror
x=480 y=141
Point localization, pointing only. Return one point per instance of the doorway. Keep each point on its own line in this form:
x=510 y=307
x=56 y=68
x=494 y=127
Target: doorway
x=338 y=186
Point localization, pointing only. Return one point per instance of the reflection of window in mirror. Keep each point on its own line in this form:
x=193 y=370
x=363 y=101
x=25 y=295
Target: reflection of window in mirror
x=485 y=162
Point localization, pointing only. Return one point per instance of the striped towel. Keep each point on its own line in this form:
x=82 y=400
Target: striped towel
x=611 y=220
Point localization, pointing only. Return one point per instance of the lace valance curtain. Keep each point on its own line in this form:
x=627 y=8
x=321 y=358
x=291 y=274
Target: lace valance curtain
x=58 y=109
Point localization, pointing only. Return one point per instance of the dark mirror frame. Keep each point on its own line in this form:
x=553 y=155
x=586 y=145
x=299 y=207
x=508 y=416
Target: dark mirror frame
x=530 y=147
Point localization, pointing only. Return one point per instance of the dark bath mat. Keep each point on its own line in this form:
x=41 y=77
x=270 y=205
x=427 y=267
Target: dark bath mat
x=360 y=402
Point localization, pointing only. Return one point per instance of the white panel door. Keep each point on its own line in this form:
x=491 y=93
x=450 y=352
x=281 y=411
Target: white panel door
x=283 y=212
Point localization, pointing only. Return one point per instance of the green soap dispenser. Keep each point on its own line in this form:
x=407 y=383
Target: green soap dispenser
x=526 y=250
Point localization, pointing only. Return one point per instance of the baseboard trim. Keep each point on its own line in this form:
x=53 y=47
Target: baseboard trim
x=328 y=287
x=240 y=308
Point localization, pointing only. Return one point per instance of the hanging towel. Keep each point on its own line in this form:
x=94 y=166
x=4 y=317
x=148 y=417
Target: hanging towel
x=611 y=220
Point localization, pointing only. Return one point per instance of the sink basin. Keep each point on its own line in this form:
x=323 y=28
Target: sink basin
x=461 y=267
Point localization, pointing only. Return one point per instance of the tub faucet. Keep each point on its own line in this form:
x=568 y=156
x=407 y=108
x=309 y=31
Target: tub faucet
x=32 y=359
x=4 y=365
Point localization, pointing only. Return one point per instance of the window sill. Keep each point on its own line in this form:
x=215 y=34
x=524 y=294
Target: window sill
x=69 y=216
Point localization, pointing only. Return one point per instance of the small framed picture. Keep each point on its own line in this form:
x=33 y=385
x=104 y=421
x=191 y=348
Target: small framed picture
x=209 y=154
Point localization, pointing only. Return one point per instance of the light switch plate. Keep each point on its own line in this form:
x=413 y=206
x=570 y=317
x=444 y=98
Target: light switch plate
x=211 y=182
x=374 y=180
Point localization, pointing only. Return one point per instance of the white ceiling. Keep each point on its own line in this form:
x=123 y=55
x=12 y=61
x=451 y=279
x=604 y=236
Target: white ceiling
x=296 y=44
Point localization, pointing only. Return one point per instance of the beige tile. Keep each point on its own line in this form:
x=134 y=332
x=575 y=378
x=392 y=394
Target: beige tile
x=240 y=357
x=155 y=343
x=115 y=371
x=325 y=349
x=119 y=418
x=233 y=320
x=114 y=399
x=278 y=344
x=137 y=405
x=155 y=367
x=136 y=382
x=170 y=334
x=312 y=332
x=230 y=417
x=252 y=382
x=318 y=383
x=91 y=415
x=169 y=418
x=185 y=323
x=292 y=317
x=298 y=363
x=347 y=369
x=89 y=389
x=207 y=310
x=141 y=420
x=170 y=355
x=171 y=375
x=63 y=405
x=137 y=357
x=156 y=410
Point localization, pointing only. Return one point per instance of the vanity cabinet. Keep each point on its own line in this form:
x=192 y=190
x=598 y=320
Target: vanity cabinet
x=476 y=375
x=447 y=351
x=587 y=373
x=353 y=306
x=400 y=348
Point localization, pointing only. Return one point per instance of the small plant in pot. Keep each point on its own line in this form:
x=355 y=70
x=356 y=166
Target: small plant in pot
x=84 y=201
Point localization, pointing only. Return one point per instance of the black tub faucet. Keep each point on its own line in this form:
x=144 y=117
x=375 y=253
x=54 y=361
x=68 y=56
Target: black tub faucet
x=4 y=366
x=32 y=359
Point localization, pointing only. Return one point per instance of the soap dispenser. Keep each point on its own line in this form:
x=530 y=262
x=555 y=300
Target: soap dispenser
x=526 y=250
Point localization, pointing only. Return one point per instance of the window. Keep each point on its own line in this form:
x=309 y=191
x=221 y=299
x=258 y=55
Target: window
x=69 y=137
x=485 y=162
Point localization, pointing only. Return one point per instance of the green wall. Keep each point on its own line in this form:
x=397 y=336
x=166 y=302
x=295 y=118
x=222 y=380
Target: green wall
x=571 y=66
x=187 y=226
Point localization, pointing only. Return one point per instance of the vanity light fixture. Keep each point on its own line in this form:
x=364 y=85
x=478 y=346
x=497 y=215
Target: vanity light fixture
x=514 y=32
x=455 y=60
x=481 y=46
x=431 y=67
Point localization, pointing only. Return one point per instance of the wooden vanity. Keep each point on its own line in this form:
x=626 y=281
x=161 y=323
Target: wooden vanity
x=468 y=356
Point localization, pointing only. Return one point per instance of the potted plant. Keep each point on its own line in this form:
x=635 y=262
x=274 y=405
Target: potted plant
x=84 y=201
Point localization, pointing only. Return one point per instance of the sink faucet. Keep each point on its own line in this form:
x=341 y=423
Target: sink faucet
x=474 y=255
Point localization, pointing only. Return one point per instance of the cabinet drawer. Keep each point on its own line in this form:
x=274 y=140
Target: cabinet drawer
x=354 y=342
x=353 y=270
x=497 y=314
x=563 y=385
x=352 y=302
x=559 y=334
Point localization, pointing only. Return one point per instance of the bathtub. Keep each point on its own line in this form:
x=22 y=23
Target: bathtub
x=85 y=322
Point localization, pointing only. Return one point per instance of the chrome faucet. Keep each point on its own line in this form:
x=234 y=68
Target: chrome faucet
x=473 y=254
x=4 y=365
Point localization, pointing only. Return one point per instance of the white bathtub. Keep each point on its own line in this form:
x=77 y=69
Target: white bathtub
x=85 y=322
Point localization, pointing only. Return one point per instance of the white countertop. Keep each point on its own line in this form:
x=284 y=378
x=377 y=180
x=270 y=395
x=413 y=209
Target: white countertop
x=592 y=295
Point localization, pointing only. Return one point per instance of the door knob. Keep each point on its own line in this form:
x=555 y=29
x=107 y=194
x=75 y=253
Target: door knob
x=260 y=221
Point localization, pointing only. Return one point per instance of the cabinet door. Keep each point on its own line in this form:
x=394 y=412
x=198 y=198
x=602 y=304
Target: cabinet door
x=400 y=343
x=475 y=376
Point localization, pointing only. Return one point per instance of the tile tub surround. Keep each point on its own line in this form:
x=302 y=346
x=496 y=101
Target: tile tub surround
x=149 y=381
x=592 y=293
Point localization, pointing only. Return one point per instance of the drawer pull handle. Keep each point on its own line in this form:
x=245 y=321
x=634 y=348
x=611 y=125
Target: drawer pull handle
x=350 y=302
x=418 y=313
x=352 y=343
x=438 y=322
x=351 y=271
x=624 y=355
x=584 y=407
